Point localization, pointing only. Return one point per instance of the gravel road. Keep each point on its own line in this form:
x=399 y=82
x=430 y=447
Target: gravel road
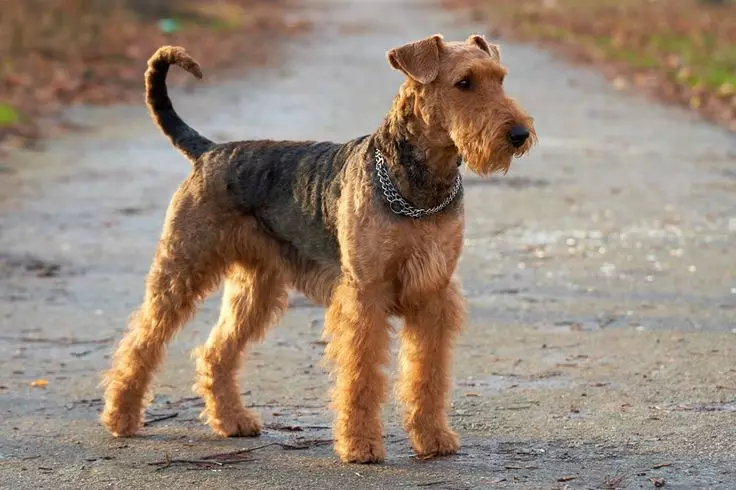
x=600 y=273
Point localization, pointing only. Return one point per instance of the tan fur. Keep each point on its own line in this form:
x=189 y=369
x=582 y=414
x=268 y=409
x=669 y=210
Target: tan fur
x=388 y=266
x=253 y=300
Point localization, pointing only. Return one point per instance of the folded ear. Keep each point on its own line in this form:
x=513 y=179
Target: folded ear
x=419 y=60
x=493 y=49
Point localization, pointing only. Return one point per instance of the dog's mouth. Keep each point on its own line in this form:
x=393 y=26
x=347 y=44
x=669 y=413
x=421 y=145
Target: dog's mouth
x=496 y=156
x=491 y=148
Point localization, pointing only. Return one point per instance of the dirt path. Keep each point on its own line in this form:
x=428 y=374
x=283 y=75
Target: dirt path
x=601 y=276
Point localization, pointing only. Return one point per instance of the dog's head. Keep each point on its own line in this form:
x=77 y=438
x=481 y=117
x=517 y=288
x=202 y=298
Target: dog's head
x=459 y=95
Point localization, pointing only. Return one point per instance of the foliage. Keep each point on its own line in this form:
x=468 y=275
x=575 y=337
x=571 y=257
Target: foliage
x=682 y=51
x=59 y=52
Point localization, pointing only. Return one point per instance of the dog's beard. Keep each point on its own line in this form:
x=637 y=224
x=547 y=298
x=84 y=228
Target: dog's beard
x=487 y=150
x=486 y=159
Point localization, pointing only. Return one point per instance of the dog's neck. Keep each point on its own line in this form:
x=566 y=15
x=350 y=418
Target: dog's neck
x=423 y=166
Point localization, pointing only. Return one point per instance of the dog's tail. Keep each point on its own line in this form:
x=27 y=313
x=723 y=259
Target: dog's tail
x=183 y=137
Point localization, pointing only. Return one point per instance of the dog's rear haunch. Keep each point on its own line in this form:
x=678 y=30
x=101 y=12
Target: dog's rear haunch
x=370 y=228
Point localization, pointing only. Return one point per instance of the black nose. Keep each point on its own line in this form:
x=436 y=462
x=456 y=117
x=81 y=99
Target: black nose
x=518 y=135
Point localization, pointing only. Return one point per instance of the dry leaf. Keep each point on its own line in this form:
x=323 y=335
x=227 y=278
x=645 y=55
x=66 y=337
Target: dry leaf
x=42 y=70
x=635 y=42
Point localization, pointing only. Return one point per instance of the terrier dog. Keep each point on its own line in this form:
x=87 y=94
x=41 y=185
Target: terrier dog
x=371 y=228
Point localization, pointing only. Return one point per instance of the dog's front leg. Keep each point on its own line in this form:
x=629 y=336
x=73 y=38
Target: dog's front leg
x=358 y=328
x=425 y=360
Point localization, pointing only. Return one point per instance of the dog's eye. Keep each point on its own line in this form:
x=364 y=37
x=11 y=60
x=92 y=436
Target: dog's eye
x=463 y=84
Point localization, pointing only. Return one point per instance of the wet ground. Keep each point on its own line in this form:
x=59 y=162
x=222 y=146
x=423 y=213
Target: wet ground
x=601 y=276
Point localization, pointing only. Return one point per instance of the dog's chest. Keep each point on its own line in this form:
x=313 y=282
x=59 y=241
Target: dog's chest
x=427 y=259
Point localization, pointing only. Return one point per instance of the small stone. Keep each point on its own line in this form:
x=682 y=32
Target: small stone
x=619 y=83
x=657 y=482
x=608 y=269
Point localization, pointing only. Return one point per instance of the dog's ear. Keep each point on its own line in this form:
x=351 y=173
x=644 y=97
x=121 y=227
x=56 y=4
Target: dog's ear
x=493 y=49
x=419 y=60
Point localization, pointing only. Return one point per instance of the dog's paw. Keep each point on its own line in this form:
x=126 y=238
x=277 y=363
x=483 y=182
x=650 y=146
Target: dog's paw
x=441 y=442
x=121 y=424
x=363 y=451
x=240 y=424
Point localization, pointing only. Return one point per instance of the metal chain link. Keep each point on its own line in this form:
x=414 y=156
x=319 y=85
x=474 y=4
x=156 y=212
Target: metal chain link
x=398 y=204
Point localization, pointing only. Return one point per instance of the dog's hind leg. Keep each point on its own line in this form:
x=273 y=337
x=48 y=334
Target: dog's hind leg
x=191 y=257
x=253 y=300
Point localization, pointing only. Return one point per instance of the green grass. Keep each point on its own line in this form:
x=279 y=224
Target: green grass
x=636 y=58
x=709 y=64
x=679 y=43
x=8 y=115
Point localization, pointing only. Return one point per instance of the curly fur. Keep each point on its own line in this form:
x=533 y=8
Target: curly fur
x=269 y=216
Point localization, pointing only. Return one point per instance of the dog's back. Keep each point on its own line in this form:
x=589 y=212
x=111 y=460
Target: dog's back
x=371 y=228
x=291 y=188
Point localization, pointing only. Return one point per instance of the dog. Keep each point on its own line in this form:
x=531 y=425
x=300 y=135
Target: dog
x=370 y=228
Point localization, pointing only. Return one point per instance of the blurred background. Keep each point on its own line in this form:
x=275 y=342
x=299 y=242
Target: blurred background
x=680 y=51
x=600 y=272
x=60 y=52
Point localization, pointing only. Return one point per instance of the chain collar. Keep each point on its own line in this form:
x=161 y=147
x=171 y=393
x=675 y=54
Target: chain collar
x=401 y=206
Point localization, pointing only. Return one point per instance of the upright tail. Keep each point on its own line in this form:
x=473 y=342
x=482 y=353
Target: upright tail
x=183 y=137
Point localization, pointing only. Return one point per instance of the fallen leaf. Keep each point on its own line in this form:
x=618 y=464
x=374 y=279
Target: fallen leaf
x=43 y=70
x=40 y=383
x=672 y=51
x=619 y=83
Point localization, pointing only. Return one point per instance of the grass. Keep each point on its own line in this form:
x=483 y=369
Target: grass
x=55 y=53
x=67 y=28
x=688 y=46
x=8 y=115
